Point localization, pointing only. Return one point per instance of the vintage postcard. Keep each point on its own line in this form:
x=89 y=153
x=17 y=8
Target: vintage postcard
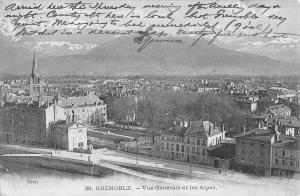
x=149 y=97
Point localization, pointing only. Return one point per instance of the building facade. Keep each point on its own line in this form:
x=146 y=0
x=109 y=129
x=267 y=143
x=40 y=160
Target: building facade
x=253 y=151
x=190 y=141
x=28 y=123
x=286 y=157
x=87 y=109
x=68 y=136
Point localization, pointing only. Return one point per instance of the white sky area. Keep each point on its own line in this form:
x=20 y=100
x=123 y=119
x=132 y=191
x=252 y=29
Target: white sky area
x=288 y=8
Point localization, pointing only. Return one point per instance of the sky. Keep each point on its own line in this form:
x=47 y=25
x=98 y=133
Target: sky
x=289 y=48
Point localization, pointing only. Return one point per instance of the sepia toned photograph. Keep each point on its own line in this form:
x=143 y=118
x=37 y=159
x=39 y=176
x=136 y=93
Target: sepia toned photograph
x=149 y=97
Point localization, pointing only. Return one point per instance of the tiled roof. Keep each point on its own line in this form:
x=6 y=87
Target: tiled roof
x=259 y=134
x=280 y=108
x=202 y=129
x=62 y=123
x=177 y=131
x=90 y=99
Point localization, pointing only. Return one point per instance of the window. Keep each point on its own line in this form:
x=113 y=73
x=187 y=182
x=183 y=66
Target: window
x=276 y=152
x=172 y=147
x=276 y=161
x=168 y=147
x=203 y=143
x=283 y=153
x=283 y=162
x=182 y=148
x=198 y=142
x=162 y=146
x=187 y=149
x=188 y=140
x=261 y=155
x=203 y=152
x=242 y=142
x=193 y=150
x=177 y=147
x=297 y=164
x=193 y=141
x=262 y=145
x=291 y=163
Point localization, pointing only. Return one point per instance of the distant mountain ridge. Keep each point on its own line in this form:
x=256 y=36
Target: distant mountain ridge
x=119 y=56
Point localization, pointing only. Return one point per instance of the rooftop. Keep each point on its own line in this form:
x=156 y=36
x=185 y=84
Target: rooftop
x=288 y=142
x=280 y=108
x=203 y=129
x=259 y=134
x=89 y=99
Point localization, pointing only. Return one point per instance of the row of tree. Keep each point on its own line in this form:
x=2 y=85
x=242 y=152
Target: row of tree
x=158 y=110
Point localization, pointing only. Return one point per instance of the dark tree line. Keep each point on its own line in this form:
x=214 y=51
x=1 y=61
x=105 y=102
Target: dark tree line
x=158 y=110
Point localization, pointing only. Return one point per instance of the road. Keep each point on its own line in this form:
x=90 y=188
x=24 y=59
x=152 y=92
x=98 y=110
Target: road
x=142 y=162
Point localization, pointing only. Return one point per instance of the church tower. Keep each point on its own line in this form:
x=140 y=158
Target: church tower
x=35 y=86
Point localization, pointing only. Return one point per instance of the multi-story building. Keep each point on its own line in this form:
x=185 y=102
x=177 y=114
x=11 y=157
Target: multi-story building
x=27 y=119
x=28 y=123
x=84 y=109
x=68 y=136
x=279 y=110
x=190 y=141
x=286 y=156
x=253 y=150
x=173 y=143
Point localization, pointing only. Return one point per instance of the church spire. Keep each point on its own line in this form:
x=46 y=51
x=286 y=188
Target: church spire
x=34 y=65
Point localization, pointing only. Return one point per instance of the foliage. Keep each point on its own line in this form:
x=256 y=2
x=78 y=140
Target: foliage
x=158 y=110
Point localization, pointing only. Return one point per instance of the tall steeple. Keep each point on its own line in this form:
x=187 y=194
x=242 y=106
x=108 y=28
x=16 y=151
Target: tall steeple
x=34 y=77
x=35 y=85
x=34 y=65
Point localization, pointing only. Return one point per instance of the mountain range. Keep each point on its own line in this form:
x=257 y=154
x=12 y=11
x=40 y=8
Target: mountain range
x=120 y=56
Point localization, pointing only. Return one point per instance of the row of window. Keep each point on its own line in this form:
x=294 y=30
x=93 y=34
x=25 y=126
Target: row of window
x=251 y=161
x=286 y=163
x=284 y=153
x=88 y=110
x=251 y=153
x=182 y=148
x=181 y=139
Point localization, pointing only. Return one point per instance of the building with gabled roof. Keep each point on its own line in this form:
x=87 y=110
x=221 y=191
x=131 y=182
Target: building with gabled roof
x=279 y=110
x=68 y=136
x=189 y=141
